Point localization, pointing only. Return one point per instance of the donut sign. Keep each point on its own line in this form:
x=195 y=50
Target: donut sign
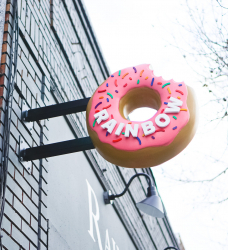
x=135 y=144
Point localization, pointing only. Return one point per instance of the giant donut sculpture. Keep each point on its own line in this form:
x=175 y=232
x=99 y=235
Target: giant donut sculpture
x=135 y=144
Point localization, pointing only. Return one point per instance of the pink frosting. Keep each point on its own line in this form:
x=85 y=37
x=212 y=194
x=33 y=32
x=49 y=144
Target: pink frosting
x=153 y=140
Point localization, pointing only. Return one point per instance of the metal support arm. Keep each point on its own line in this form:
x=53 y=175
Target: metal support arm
x=171 y=248
x=55 y=110
x=112 y=197
x=108 y=197
x=59 y=148
x=54 y=149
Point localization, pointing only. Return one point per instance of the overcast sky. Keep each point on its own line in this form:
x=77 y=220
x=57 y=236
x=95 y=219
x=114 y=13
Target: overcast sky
x=134 y=32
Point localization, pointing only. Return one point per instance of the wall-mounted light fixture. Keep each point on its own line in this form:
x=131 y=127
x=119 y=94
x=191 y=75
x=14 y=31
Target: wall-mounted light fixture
x=152 y=205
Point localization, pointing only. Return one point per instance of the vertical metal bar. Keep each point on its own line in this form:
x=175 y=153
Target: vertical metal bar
x=47 y=232
x=43 y=88
x=40 y=192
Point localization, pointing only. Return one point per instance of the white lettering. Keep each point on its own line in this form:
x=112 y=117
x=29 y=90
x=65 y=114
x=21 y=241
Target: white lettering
x=101 y=116
x=164 y=123
x=173 y=106
x=148 y=128
x=113 y=244
x=110 y=125
x=107 y=242
x=120 y=128
x=129 y=129
x=93 y=217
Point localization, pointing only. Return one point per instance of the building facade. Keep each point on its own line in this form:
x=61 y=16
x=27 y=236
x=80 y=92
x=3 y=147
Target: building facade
x=57 y=203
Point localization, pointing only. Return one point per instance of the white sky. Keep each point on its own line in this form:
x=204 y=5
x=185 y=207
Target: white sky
x=133 y=32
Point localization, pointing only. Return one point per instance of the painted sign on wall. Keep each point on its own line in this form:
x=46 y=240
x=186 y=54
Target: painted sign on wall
x=94 y=216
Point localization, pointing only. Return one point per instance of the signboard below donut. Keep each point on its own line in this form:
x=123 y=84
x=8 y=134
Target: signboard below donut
x=141 y=144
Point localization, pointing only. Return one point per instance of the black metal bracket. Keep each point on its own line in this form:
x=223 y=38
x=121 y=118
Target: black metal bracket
x=59 y=148
x=109 y=197
x=54 y=149
x=55 y=110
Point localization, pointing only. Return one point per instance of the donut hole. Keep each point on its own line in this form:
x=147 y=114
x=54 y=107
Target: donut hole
x=136 y=100
x=142 y=114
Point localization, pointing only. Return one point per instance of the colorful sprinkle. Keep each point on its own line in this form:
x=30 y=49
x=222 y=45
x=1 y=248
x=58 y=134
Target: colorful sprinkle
x=129 y=122
x=168 y=83
x=143 y=135
x=106 y=84
x=135 y=69
x=146 y=78
x=120 y=139
x=130 y=78
x=162 y=111
x=168 y=97
x=123 y=133
x=124 y=75
x=165 y=103
x=119 y=72
x=152 y=82
x=125 y=85
x=180 y=85
x=116 y=91
x=110 y=95
x=174 y=128
x=174 y=117
x=169 y=90
x=101 y=97
x=152 y=137
x=159 y=83
x=107 y=100
x=99 y=103
x=159 y=130
x=138 y=140
x=141 y=73
x=179 y=91
x=96 y=111
x=94 y=122
x=183 y=110
x=111 y=116
x=116 y=83
x=107 y=133
x=112 y=75
x=178 y=97
x=100 y=91
x=138 y=82
x=107 y=106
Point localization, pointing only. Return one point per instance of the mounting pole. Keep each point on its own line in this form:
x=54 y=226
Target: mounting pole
x=55 y=110
x=59 y=148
